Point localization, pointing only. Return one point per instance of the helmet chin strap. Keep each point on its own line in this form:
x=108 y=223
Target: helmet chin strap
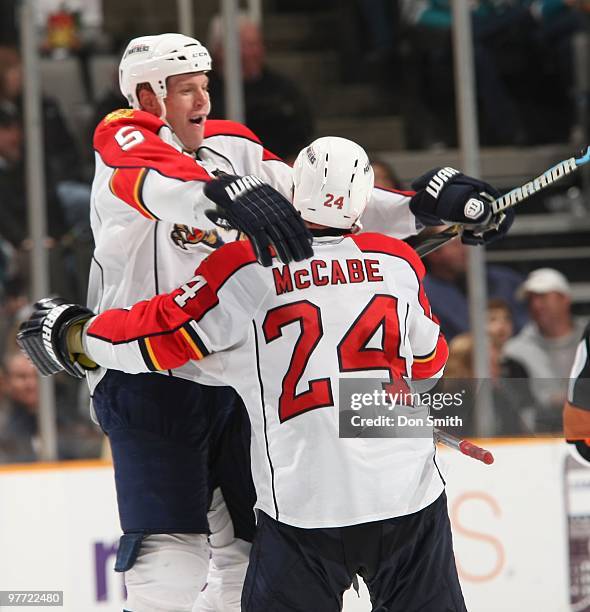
x=162 y=108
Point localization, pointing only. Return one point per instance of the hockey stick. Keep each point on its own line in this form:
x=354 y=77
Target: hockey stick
x=512 y=198
x=463 y=446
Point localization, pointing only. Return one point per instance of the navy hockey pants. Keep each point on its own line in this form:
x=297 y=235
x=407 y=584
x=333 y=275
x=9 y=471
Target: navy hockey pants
x=407 y=563
x=173 y=441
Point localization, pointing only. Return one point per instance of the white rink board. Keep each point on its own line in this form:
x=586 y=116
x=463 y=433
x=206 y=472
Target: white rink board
x=59 y=529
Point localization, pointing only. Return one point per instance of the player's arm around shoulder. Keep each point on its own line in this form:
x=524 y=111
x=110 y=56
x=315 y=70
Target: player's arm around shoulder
x=147 y=173
x=207 y=314
x=388 y=211
x=377 y=242
x=243 y=146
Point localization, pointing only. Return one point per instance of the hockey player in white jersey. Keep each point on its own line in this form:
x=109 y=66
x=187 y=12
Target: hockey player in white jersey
x=328 y=508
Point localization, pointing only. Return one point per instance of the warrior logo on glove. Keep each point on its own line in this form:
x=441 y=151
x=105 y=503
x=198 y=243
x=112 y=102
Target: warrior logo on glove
x=437 y=182
x=445 y=196
x=474 y=209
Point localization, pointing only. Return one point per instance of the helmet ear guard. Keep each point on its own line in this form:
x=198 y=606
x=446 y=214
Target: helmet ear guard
x=152 y=59
x=332 y=182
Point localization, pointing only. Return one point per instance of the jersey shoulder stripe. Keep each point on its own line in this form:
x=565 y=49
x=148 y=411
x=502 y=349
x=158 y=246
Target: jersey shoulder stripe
x=224 y=127
x=131 y=140
x=379 y=243
x=401 y=192
x=127 y=185
x=369 y=242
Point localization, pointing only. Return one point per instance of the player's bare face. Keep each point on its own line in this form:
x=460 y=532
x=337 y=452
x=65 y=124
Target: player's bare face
x=187 y=107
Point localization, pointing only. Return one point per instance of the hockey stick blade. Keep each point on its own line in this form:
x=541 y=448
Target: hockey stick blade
x=430 y=243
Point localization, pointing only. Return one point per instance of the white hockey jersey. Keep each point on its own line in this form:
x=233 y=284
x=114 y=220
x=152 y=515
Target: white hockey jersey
x=147 y=205
x=283 y=337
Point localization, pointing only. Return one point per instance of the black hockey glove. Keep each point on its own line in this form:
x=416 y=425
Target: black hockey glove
x=446 y=196
x=46 y=337
x=263 y=214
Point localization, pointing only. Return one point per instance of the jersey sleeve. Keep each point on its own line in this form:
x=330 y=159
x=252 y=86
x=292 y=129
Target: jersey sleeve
x=388 y=212
x=576 y=412
x=429 y=346
x=148 y=174
x=206 y=315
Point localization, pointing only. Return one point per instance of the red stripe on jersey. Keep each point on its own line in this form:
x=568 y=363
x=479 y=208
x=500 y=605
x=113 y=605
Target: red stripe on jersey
x=427 y=367
x=409 y=194
x=223 y=127
x=126 y=184
x=169 y=351
x=379 y=243
x=269 y=155
x=137 y=131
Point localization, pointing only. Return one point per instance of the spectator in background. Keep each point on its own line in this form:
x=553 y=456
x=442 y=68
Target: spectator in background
x=14 y=227
x=61 y=152
x=519 y=46
x=546 y=346
x=19 y=436
x=64 y=167
x=385 y=175
x=508 y=376
x=277 y=111
x=446 y=286
x=512 y=400
x=13 y=197
x=78 y=438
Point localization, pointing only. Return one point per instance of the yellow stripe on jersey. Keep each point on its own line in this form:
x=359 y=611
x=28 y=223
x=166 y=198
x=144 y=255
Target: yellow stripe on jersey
x=152 y=354
x=191 y=343
x=137 y=193
x=425 y=359
x=112 y=181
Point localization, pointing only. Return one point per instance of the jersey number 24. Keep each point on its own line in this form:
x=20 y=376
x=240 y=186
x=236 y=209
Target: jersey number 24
x=353 y=353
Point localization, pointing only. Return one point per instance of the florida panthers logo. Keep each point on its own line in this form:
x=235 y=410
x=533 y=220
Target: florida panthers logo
x=185 y=237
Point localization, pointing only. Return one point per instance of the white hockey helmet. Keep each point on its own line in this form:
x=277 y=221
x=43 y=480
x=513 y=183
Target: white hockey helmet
x=152 y=59
x=333 y=180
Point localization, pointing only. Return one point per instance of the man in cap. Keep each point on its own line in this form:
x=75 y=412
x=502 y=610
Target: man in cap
x=546 y=346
